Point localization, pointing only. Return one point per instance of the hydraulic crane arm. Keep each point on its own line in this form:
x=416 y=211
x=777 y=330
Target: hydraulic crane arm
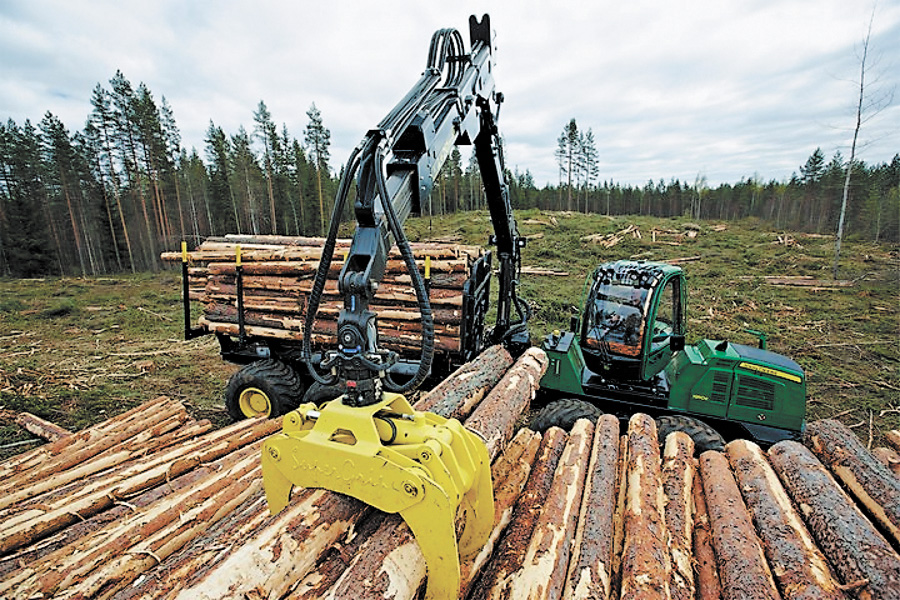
x=370 y=443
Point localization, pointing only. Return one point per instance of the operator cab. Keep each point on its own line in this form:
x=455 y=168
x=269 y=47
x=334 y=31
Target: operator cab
x=633 y=319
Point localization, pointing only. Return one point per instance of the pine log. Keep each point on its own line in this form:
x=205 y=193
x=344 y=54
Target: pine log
x=893 y=438
x=373 y=573
x=870 y=481
x=678 y=484
x=646 y=565
x=743 y=569
x=707 y=573
x=510 y=474
x=619 y=516
x=457 y=395
x=42 y=428
x=853 y=546
x=35 y=523
x=56 y=475
x=589 y=576
x=510 y=397
x=115 y=515
x=889 y=458
x=510 y=553
x=542 y=575
x=799 y=566
x=97 y=437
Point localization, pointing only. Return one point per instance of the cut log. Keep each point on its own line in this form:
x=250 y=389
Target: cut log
x=510 y=476
x=646 y=565
x=458 y=395
x=889 y=458
x=853 y=546
x=142 y=474
x=542 y=575
x=799 y=566
x=707 y=573
x=507 y=558
x=619 y=516
x=743 y=569
x=374 y=571
x=678 y=486
x=44 y=429
x=870 y=481
x=589 y=576
x=893 y=438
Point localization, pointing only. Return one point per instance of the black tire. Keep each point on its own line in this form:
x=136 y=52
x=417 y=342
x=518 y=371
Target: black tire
x=265 y=387
x=705 y=437
x=563 y=413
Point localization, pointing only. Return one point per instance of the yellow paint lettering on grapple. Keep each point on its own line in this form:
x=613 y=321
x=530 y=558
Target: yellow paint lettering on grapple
x=769 y=371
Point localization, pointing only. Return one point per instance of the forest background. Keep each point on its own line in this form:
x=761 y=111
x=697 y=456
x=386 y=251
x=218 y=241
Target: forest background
x=110 y=197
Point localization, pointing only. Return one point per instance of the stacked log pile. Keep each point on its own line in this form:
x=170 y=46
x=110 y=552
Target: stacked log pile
x=278 y=274
x=590 y=514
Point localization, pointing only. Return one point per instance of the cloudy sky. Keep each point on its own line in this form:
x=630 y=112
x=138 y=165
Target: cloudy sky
x=715 y=88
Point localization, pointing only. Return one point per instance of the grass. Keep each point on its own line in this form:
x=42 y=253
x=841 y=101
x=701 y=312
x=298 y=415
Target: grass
x=77 y=351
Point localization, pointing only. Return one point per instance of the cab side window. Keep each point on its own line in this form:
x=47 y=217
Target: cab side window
x=664 y=323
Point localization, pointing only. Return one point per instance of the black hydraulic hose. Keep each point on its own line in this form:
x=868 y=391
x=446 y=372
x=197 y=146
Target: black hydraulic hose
x=423 y=301
x=312 y=305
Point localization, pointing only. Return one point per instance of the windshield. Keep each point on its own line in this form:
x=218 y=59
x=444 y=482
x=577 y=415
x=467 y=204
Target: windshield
x=616 y=318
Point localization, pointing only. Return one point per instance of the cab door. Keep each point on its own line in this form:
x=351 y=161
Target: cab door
x=666 y=325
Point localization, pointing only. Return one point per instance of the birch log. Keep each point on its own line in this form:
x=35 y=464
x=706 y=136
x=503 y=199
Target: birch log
x=797 y=563
x=854 y=547
x=743 y=569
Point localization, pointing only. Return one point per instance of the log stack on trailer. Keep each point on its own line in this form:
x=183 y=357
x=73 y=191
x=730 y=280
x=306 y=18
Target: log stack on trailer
x=152 y=504
x=277 y=278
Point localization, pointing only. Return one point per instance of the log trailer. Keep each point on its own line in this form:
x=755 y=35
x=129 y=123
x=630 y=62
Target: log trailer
x=627 y=353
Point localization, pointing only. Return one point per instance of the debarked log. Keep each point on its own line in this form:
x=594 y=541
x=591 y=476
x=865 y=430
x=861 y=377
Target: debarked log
x=797 y=563
x=853 y=546
x=708 y=586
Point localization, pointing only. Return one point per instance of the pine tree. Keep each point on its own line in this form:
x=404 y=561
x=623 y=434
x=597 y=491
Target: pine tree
x=318 y=141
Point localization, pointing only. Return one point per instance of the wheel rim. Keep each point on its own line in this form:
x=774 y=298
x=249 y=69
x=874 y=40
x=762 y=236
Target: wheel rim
x=255 y=403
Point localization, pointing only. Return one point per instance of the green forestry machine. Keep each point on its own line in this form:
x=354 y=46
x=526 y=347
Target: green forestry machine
x=627 y=353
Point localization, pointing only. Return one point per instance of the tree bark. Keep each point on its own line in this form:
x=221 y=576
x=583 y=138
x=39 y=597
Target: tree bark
x=889 y=458
x=797 y=563
x=458 y=395
x=854 y=547
x=870 y=481
x=743 y=569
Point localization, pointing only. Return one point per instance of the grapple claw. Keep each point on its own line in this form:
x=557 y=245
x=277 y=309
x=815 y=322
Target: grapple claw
x=398 y=460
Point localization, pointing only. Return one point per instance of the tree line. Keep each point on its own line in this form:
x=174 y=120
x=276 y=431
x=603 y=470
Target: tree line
x=110 y=197
x=810 y=200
